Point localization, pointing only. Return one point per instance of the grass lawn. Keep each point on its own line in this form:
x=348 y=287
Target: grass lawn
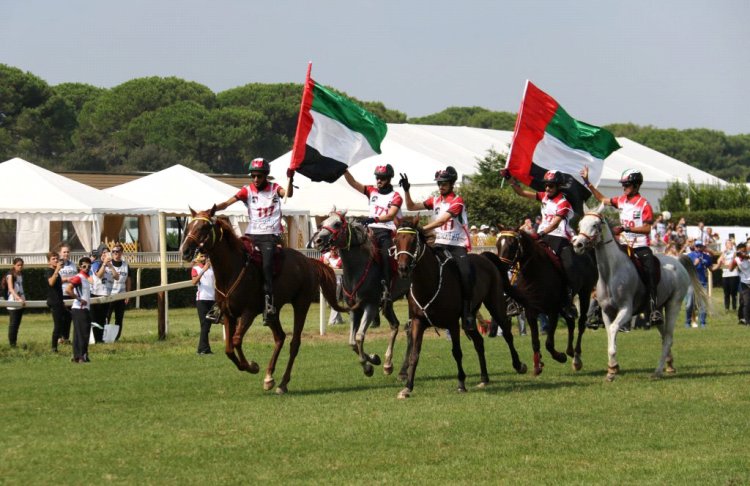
x=151 y=412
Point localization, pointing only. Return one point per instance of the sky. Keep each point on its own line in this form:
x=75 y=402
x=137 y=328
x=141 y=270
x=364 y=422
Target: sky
x=667 y=63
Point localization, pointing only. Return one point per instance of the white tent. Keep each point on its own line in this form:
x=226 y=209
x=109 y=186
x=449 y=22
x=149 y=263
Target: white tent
x=35 y=197
x=173 y=190
x=420 y=150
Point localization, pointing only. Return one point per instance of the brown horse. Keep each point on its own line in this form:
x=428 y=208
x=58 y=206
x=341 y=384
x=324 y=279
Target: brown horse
x=435 y=300
x=239 y=289
x=539 y=288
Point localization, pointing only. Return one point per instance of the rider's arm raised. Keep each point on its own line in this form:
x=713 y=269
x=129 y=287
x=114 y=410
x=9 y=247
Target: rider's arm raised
x=594 y=191
x=411 y=205
x=352 y=182
x=521 y=192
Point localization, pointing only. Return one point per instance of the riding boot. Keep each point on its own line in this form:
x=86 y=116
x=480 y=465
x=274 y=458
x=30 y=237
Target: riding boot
x=269 y=311
x=468 y=319
x=214 y=314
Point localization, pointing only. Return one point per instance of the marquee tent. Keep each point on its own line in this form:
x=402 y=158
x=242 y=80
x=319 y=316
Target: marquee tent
x=35 y=198
x=174 y=190
x=420 y=150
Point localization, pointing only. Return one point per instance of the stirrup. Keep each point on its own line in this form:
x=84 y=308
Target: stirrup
x=386 y=296
x=214 y=314
x=656 y=317
x=512 y=308
x=269 y=311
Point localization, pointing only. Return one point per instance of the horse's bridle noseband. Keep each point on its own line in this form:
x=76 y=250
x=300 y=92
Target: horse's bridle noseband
x=519 y=250
x=214 y=240
x=593 y=239
x=335 y=234
x=418 y=250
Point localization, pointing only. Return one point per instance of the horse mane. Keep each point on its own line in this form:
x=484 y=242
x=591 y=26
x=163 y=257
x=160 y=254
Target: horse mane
x=427 y=237
x=232 y=239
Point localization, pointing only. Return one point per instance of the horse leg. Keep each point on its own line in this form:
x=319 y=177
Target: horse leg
x=504 y=323
x=300 y=312
x=403 y=372
x=364 y=323
x=229 y=327
x=667 y=334
x=390 y=315
x=455 y=332
x=478 y=341
x=356 y=315
x=585 y=300
x=623 y=315
x=417 y=332
x=279 y=336
x=531 y=320
x=549 y=343
x=246 y=320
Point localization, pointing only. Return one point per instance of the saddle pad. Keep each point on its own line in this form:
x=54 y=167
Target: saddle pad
x=552 y=256
x=639 y=266
x=256 y=258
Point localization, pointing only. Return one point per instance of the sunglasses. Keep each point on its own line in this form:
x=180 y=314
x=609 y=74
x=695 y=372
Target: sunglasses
x=85 y=265
x=550 y=184
x=443 y=183
x=381 y=178
x=257 y=176
x=627 y=184
x=116 y=251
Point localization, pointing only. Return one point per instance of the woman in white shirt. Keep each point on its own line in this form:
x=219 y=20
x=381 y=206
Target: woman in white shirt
x=730 y=278
x=203 y=277
x=14 y=283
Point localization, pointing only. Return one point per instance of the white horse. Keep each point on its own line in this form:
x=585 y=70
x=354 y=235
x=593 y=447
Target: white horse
x=622 y=294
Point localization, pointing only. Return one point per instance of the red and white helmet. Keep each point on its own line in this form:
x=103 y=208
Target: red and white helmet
x=553 y=177
x=260 y=165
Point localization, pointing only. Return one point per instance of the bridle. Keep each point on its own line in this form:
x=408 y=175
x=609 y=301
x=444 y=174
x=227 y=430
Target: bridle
x=202 y=243
x=519 y=248
x=596 y=238
x=336 y=233
x=419 y=248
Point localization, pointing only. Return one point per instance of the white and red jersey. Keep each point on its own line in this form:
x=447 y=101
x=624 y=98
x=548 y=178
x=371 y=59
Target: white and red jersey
x=207 y=283
x=381 y=203
x=263 y=209
x=634 y=211
x=454 y=232
x=81 y=291
x=331 y=261
x=555 y=206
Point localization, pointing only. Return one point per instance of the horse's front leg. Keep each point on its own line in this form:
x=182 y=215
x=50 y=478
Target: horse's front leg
x=230 y=323
x=403 y=372
x=531 y=320
x=390 y=315
x=585 y=299
x=417 y=332
x=300 y=313
x=278 y=342
x=455 y=333
x=549 y=343
x=246 y=320
x=613 y=326
x=364 y=359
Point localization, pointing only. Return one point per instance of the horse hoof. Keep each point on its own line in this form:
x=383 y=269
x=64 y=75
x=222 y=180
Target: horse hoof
x=670 y=370
x=577 y=364
x=404 y=394
x=268 y=384
x=281 y=390
x=461 y=389
x=611 y=377
x=483 y=384
x=253 y=368
x=374 y=359
x=369 y=370
x=560 y=358
x=538 y=370
x=387 y=369
x=522 y=369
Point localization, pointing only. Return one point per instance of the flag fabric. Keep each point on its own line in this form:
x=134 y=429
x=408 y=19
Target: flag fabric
x=333 y=133
x=546 y=138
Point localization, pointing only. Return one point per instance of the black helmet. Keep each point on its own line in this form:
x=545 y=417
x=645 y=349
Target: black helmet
x=260 y=165
x=384 y=171
x=553 y=177
x=447 y=175
x=632 y=176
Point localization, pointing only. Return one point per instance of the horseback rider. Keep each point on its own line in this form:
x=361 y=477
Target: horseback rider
x=554 y=228
x=636 y=217
x=263 y=201
x=449 y=221
x=385 y=212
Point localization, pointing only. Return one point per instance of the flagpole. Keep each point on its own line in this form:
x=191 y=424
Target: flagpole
x=299 y=123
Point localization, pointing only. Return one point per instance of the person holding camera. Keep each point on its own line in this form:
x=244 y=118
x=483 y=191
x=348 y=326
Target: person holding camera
x=55 y=296
x=730 y=279
x=742 y=263
x=103 y=276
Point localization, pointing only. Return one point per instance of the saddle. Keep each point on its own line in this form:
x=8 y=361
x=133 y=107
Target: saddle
x=639 y=266
x=378 y=258
x=552 y=256
x=255 y=257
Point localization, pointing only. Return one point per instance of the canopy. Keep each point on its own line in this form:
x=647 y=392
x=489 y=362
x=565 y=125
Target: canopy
x=35 y=196
x=421 y=150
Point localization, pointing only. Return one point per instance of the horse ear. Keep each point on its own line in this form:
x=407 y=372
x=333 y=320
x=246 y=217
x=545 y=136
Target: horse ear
x=343 y=212
x=415 y=220
x=192 y=212
x=212 y=212
x=333 y=209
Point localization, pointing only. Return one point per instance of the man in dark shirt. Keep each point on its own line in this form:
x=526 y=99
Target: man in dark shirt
x=55 y=296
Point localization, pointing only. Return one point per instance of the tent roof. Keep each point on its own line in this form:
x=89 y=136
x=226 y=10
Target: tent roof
x=175 y=189
x=29 y=188
x=421 y=150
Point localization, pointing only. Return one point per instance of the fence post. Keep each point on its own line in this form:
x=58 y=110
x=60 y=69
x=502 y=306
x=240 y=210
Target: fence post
x=138 y=287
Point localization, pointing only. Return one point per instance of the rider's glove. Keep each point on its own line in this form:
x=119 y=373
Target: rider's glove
x=404 y=182
x=369 y=221
x=617 y=230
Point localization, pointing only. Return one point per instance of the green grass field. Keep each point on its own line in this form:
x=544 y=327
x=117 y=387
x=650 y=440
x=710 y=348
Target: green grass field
x=151 y=412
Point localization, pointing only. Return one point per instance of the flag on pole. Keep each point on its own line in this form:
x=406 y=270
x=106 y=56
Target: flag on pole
x=333 y=133
x=547 y=138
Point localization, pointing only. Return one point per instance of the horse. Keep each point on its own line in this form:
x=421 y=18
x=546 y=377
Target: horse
x=621 y=293
x=539 y=288
x=239 y=289
x=361 y=284
x=435 y=300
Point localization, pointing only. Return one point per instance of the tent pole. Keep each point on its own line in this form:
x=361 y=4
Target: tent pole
x=163 y=321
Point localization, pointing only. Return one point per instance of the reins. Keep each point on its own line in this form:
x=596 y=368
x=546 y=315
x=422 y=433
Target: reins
x=417 y=255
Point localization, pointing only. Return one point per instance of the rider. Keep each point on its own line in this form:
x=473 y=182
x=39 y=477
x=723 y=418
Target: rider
x=636 y=217
x=449 y=221
x=554 y=228
x=385 y=212
x=263 y=201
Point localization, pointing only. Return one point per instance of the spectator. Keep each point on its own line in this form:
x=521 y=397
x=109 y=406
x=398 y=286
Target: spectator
x=742 y=264
x=730 y=277
x=482 y=235
x=14 y=283
x=79 y=288
x=333 y=260
x=55 y=296
x=202 y=275
x=474 y=235
x=680 y=239
x=119 y=286
x=672 y=250
x=491 y=239
x=702 y=262
x=103 y=275
x=660 y=227
x=69 y=269
x=681 y=223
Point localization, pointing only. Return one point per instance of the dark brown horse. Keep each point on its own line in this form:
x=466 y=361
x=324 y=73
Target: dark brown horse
x=239 y=289
x=435 y=300
x=539 y=288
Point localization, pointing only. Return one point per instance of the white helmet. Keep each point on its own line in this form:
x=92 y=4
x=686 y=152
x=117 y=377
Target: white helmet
x=666 y=215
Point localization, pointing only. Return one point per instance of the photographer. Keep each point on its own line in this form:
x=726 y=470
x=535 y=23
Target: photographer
x=55 y=296
x=103 y=276
x=742 y=263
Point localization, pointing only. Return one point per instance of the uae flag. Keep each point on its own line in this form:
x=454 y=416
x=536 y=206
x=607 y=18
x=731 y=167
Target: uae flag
x=333 y=134
x=547 y=138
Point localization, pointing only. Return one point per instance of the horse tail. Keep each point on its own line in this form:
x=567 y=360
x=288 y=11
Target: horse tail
x=701 y=296
x=327 y=281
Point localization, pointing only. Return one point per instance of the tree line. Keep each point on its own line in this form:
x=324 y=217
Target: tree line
x=148 y=124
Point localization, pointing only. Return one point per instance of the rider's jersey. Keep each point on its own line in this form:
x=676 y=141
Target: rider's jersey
x=81 y=291
x=454 y=232
x=263 y=209
x=634 y=211
x=555 y=206
x=381 y=203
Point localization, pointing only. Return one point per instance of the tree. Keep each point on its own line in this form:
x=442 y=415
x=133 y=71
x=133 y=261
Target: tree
x=473 y=116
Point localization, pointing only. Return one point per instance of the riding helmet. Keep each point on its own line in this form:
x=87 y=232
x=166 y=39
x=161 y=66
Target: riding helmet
x=553 y=177
x=447 y=175
x=384 y=171
x=632 y=176
x=260 y=165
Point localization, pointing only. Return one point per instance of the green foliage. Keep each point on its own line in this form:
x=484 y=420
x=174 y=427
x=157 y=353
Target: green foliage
x=704 y=197
x=488 y=203
x=474 y=116
x=715 y=217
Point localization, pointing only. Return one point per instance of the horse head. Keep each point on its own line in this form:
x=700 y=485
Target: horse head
x=409 y=245
x=591 y=230
x=509 y=246
x=334 y=231
x=201 y=233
